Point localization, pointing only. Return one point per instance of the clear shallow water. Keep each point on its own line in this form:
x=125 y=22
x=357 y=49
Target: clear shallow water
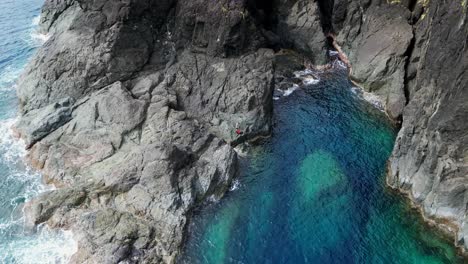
x=18 y=184
x=315 y=192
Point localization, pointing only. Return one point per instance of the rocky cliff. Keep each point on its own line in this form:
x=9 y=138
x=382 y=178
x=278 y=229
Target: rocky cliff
x=414 y=56
x=130 y=108
x=430 y=158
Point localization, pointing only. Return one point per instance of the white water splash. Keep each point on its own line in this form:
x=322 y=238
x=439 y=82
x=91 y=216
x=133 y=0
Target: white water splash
x=11 y=148
x=45 y=246
x=333 y=52
x=371 y=98
x=19 y=182
x=339 y=64
x=38 y=39
x=290 y=90
x=307 y=76
x=299 y=74
x=235 y=185
x=8 y=77
x=36 y=20
x=213 y=199
x=42 y=249
x=310 y=80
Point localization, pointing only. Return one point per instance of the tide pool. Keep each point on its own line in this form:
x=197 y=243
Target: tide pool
x=315 y=192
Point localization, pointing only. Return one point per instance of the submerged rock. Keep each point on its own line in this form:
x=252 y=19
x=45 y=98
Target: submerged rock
x=131 y=107
x=135 y=126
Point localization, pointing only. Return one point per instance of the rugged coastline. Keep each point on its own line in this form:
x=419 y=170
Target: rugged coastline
x=161 y=86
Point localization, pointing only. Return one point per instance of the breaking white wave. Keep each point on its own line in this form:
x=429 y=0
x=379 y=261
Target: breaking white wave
x=291 y=90
x=11 y=149
x=235 y=185
x=299 y=74
x=213 y=199
x=371 y=98
x=42 y=249
x=8 y=77
x=39 y=38
x=307 y=76
x=44 y=246
x=339 y=64
x=12 y=155
x=36 y=20
x=333 y=52
x=18 y=182
x=310 y=80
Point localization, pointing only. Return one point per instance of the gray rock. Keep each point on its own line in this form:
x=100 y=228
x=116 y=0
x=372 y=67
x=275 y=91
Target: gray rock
x=39 y=123
x=300 y=28
x=229 y=91
x=146 y=139
x=416 y=61
x=376 y=39
x=92 y=45
x=156 y=89
x=429 y=160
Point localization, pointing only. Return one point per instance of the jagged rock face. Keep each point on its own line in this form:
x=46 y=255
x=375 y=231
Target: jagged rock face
x=93 y=44
x=130 y=109
x=300 y=28
x=376 y=38
x=131 y=106
x=414 y=55
x=430 y=158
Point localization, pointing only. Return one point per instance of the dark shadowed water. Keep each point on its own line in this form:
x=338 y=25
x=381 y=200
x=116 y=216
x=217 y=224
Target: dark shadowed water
x=315 y=192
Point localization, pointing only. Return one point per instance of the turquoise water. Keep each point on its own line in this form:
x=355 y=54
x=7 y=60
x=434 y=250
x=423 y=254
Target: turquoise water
x=315 y=192
x=18 y=183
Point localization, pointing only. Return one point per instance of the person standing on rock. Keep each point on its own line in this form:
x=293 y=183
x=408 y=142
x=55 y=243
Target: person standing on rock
x=238 y=131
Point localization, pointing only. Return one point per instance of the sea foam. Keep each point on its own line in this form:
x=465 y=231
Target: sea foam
x=38 y=38
x=46 y=245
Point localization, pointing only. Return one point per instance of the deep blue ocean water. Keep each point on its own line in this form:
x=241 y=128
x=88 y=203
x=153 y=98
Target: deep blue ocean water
x=18 y=183
x=315 y=192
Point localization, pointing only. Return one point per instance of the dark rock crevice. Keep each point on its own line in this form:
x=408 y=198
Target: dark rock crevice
x=408 y=76
x=326 y=15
